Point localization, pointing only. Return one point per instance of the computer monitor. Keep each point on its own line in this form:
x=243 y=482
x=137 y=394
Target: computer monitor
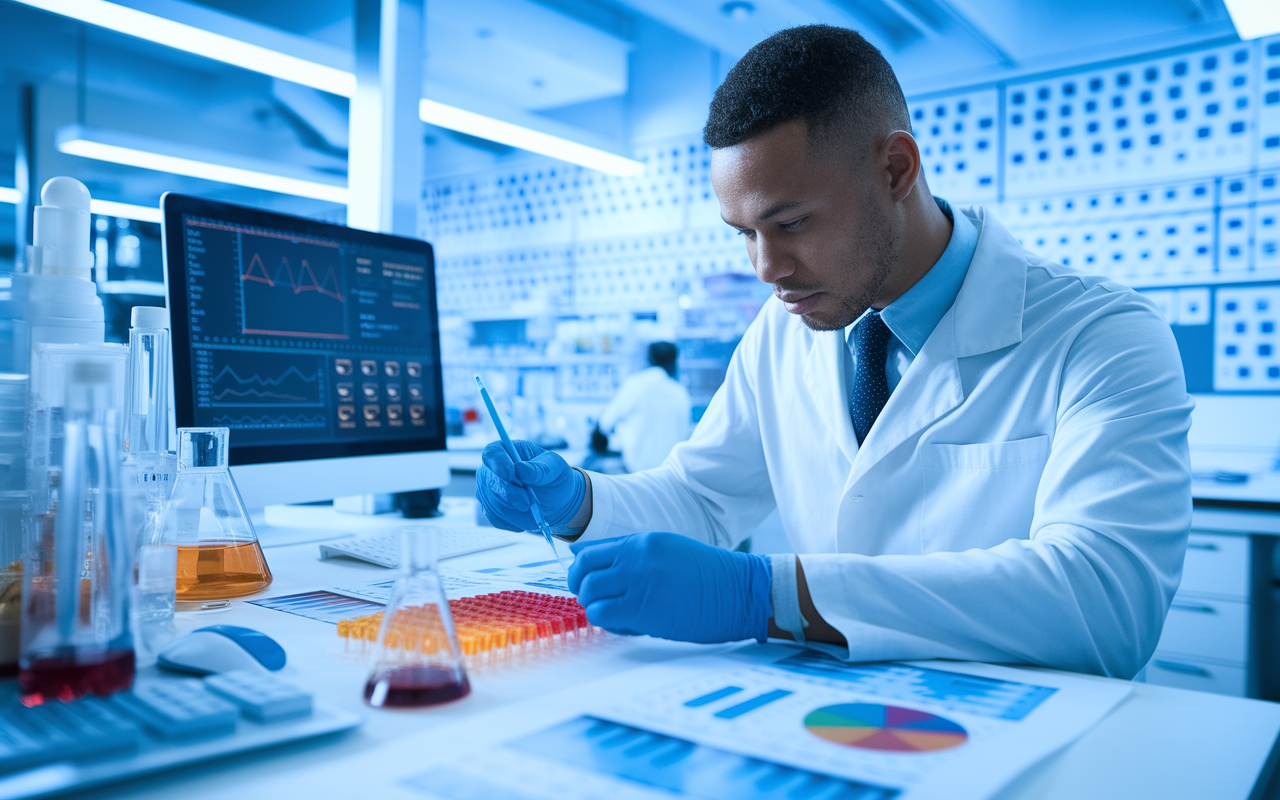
x=316 y=344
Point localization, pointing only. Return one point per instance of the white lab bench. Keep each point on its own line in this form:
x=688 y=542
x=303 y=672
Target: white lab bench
x=1161 y=742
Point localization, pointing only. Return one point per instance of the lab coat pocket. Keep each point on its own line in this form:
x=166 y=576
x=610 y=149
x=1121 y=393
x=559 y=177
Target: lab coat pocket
x=979 y=494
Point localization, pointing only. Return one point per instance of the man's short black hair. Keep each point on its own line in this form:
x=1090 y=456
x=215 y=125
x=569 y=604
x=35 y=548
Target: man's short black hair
x=832 y=78
x=664 y=354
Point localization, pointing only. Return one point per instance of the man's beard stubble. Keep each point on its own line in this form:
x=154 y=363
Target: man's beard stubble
x=882 y=244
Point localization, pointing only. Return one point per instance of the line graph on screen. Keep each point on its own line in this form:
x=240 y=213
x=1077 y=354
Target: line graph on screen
x=291 y=288
x=261 y=380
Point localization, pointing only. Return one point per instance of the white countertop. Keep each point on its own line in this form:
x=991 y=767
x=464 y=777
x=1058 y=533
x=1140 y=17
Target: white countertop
x=1160 y=742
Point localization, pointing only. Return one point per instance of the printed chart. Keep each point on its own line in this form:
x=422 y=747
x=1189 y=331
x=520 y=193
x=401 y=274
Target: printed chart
x=742 y=726
x=872 y=726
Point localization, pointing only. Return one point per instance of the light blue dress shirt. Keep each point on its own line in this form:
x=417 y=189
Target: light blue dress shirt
x=911 y=319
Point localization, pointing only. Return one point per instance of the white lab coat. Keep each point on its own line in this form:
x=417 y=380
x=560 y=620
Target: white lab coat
x=1024 y=496
x=650 y=414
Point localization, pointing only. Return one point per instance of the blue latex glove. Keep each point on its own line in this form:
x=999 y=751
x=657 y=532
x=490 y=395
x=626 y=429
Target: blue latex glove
x=560 y=488
x=671 y=586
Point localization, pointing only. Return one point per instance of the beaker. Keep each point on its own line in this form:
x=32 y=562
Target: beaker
x=418 y=661
x=75 y=611
x=218 y=553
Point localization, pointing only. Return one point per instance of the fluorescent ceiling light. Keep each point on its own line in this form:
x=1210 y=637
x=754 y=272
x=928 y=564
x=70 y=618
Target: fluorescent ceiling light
x=110 y=208
x=496 y=130
x=179 y=35
x=216 y=46
x=138 y=152
x=1254 y=18
x=107 y=208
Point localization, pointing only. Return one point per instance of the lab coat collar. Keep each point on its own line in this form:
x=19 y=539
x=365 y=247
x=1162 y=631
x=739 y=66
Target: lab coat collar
x=986 y=316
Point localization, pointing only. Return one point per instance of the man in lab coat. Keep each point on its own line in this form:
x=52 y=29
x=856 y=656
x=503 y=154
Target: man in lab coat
x=651 y=412
x=976 y=453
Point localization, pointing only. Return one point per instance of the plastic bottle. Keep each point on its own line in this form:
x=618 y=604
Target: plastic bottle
x=150 y=470
x=54 y=302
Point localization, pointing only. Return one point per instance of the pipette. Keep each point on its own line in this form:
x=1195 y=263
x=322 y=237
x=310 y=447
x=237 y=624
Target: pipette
x=534 y=508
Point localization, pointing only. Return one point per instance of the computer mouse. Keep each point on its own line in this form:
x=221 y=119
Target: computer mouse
x=222 y=648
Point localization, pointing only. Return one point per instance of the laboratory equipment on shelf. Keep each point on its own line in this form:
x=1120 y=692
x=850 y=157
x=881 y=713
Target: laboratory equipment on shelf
x=218 y=554
x=75 y=612
x=150 y=470
x=534 y=508
x=418 y=661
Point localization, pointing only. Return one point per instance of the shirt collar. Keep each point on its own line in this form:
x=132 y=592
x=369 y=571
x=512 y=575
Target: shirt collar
x=913 y=316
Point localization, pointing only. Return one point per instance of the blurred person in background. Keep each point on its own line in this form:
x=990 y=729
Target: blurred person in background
x=651 y=413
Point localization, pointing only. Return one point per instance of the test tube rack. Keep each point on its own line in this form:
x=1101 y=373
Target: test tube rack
x=488 y=626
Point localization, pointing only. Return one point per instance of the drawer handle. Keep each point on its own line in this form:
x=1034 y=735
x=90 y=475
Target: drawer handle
x=1202 y=546
x=1185 y=669
x=1196 y=608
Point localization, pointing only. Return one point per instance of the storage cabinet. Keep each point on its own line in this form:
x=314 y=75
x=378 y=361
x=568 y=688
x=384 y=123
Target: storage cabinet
x=1217 y=635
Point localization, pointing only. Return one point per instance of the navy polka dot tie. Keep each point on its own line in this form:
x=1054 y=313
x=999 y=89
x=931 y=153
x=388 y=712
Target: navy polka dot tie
x=870 y=387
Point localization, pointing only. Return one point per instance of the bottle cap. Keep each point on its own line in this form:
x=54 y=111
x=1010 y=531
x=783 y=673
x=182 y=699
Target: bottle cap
x=60 y=231
x=149 y=317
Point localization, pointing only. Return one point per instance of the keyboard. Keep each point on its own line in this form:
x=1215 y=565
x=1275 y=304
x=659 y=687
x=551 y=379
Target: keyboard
x=384 y=549
x=159 y=724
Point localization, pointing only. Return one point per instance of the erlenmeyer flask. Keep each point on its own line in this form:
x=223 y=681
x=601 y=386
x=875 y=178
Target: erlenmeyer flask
x=218 y=552
x=418 y=661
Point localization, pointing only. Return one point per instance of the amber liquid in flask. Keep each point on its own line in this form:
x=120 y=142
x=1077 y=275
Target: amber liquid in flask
x=219 y=557
x=221 y=570
x=418 y=661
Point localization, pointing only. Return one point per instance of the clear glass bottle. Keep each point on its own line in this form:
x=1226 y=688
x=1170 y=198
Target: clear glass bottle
x=76 y=636
x=418 y=661
x=219 y=557
x=150 y=471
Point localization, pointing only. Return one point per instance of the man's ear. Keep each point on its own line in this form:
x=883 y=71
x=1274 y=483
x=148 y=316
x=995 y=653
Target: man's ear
x=900 y=156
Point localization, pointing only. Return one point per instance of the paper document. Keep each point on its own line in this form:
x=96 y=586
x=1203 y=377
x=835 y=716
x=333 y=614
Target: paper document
x=545 y=577
x=762 y=723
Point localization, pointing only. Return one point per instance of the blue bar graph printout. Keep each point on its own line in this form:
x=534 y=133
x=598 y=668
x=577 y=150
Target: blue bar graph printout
x=987 y=697
x=711 y=697
x=684 y=767
x=733 y=712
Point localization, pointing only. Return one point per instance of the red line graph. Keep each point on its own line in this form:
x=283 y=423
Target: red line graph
x=257 y=272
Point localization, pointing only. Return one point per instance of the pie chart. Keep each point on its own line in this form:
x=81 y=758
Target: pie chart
x=871 y=726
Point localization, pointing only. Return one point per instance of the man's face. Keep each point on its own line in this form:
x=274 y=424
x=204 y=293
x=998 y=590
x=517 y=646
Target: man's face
x=816 y=222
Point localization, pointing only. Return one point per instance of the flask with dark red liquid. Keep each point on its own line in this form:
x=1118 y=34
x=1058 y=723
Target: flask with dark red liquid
x=76 y=637
x=418 y=661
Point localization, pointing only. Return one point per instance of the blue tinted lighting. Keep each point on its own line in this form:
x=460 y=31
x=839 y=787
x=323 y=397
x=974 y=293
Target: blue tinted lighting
x=1243 y=372
x=1264 y=349
x=1231 y=349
